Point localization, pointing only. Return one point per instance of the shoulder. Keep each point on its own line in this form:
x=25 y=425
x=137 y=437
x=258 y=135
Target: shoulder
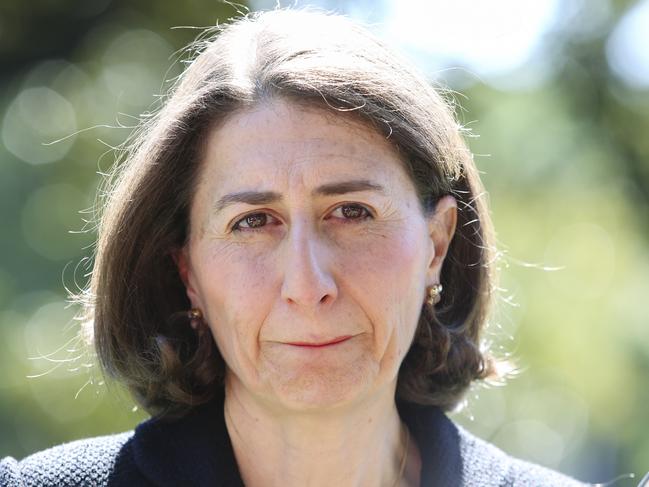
x=452 y=456
x=485 y=464
x=96 y=461
x=192 y=450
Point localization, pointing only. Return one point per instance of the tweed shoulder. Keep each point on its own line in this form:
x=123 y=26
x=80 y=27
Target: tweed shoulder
x=486 y=465
x=89 y=462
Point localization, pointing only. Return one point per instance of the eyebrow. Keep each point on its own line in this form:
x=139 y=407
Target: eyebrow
x=267 y=197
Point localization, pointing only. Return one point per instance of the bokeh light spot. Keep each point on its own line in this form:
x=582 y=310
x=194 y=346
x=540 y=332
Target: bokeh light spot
x=39 y=116
x=48 y=216
x=59 y=361
x=626 y=49
x=132 y=66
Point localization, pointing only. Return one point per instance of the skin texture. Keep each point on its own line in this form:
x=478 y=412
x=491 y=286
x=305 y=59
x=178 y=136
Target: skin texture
x=311 y=289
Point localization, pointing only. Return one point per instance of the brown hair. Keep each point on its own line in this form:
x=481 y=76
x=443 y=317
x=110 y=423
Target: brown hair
x=136 y=296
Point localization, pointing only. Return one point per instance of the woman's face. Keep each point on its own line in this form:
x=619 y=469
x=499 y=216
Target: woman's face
x=309 y=255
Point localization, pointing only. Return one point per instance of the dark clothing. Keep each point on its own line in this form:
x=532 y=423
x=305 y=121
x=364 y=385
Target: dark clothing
x=196 y=451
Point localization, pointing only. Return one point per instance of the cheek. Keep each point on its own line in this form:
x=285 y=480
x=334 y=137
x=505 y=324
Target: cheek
x=234 y=286
x=392 y=260
x=389 y=272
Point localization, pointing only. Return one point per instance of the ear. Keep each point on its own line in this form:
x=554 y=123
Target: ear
x=183 y=263
x=441 y=228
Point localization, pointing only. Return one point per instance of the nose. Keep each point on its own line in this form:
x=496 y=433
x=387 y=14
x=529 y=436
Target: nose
x=307 y=278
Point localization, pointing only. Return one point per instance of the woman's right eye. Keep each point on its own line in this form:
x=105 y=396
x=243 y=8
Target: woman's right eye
x=252 y=221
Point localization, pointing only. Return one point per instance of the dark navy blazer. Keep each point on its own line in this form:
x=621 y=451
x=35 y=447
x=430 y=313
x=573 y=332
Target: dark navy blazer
x=196 y=451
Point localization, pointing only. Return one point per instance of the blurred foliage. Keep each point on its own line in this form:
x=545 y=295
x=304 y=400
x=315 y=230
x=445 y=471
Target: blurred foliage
x=566 y=163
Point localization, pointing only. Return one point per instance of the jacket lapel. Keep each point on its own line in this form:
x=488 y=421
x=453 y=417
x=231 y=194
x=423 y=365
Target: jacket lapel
x=438 y=440
x=194 y=451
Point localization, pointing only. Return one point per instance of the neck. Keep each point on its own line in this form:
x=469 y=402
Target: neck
x=351 y=446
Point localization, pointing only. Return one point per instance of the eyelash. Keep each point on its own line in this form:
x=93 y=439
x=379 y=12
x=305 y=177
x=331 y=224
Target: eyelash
x=367 y=214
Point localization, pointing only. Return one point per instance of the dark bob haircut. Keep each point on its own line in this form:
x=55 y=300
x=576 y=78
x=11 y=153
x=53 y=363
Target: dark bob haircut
x=136 y=297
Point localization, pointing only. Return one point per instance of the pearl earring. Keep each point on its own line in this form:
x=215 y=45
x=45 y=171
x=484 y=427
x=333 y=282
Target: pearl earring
x=434 y=294
x=195 y=317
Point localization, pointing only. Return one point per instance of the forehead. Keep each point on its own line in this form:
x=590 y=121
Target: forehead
x=280 y=141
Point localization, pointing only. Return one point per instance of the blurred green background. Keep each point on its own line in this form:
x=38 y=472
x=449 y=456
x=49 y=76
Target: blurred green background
x=556 y=95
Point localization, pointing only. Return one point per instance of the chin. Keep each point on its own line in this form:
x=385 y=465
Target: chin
x=318 y=386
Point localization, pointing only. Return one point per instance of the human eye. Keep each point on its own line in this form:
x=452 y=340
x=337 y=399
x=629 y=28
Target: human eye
x=351 y=212
x=253 y=221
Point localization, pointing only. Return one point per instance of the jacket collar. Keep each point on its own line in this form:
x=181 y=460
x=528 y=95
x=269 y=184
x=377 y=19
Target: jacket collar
x=438 y=440
x=195 y=451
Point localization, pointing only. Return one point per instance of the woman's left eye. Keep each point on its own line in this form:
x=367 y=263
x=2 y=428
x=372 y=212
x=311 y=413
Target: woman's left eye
x=352 y=211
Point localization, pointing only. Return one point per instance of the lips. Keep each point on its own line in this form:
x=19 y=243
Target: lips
x=322 y=344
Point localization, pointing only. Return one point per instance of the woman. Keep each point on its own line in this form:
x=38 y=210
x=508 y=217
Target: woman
x=294 y=266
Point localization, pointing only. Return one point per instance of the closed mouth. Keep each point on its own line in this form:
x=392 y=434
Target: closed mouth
x=327 y=343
